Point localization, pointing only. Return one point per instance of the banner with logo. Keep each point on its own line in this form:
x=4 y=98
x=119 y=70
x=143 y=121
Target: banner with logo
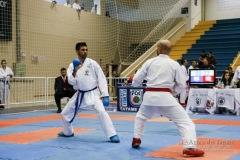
x=129 y=98
x=197 y=99
x=5 y=19
x=211 y=101
x=226 y=98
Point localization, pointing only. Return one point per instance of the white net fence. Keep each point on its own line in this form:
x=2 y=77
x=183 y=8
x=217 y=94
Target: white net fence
x=38 y=37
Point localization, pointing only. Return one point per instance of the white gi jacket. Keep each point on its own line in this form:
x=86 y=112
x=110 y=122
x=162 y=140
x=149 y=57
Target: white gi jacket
x=76 y=6
x=236 y=75
x=89 y=76
x=4 y=73
x=161 y=72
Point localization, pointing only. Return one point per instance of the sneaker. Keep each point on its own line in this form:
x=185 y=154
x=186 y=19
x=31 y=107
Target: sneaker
x=193 y=152
x=183 y=104
x=136 y=142
x=115 y=139
x=61 y=134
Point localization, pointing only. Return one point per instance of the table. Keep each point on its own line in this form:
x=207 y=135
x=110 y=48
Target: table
x=211 y=98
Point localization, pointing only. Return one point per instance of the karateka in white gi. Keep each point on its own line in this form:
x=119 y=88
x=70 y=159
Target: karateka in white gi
x=164 y=79
x=88 y=78
x=236 y=77
x=5 y=74
x=184 y=92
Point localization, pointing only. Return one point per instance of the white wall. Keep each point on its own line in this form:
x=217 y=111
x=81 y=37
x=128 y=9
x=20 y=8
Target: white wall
x=222 y=9
x=195 y=12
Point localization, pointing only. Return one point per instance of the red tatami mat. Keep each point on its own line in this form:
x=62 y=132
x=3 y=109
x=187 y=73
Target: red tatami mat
x=215 y=149
x=38 y=135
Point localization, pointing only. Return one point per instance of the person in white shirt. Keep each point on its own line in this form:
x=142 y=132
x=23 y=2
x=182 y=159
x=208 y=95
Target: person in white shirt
x=193 y=66
x=92 y=93
x=5 y=74
x=184 y=94
x=94 y=9
x=67 y=3
x=76 y=5
x=236 y=77
x=164 y=79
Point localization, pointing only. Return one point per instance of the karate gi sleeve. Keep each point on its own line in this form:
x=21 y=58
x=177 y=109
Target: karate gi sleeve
x=180 y=81
x=102 y=81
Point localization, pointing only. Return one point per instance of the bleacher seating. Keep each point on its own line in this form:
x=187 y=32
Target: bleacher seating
x=223 y=39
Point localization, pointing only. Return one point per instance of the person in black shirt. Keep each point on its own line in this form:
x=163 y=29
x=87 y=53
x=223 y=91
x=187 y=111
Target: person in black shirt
x=62 y=89
x=201 y=58
x=211 y=58
x=206 y=65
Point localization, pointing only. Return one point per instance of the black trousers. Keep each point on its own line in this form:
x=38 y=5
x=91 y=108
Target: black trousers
x=59 y=96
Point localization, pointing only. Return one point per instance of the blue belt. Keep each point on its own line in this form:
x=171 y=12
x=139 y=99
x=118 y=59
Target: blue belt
x=77 y=105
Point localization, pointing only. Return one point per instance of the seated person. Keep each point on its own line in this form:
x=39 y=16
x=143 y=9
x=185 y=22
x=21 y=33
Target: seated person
x=206 y=65
x=201 y=58
x=230 y=70
x=62 y=89
x=226 y=80
x=211 y=58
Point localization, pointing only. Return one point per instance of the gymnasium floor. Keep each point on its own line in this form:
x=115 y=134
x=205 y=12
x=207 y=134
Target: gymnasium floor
x=33 y=136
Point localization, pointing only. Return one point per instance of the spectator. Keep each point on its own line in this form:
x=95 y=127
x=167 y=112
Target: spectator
x=62 y=89
x=201 y=58
x=206 y=65
x=67 y=3
x=211 y=58
x=183 y=93
x=82 y=7
x=107 y=14
x=226 y=80
x=76 y=5
x=230 y=70
x=193 y=66
x=94 y=9
x=236 y=78
x=5 y=74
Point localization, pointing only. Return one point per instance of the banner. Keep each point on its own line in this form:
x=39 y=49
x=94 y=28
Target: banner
x=6 y=20
x=129 y=98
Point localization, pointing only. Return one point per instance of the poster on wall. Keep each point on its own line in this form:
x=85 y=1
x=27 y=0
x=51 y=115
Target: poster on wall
x=6 y=20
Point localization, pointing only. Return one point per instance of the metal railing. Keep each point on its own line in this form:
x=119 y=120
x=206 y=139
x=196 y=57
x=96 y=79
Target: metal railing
x=40 y=90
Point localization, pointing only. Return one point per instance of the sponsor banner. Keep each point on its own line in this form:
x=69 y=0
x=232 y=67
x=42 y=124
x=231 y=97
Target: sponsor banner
x=136 y=96
x=5 y=19
x=123 y=97
x=129 y=98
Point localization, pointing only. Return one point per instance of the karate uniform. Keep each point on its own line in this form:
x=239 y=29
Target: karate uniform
x=88 y=79
x=4 y=83
x=76 y=6
x=236 y=75
x=163 y=72
x=184 y=93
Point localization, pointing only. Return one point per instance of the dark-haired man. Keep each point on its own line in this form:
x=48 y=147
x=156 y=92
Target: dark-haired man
x=92 y=93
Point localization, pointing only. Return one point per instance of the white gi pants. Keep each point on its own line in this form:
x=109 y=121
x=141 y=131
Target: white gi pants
x=176 y=113
x=105 y=121
x=4 y=90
